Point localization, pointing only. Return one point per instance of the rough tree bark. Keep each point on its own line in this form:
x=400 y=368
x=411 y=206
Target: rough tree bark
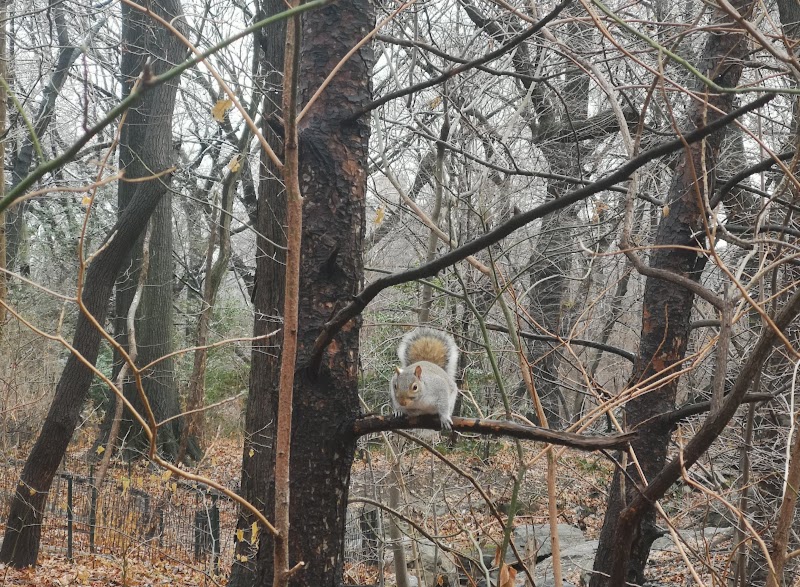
x=667 y=306
x=23 y=528
x=333 y=162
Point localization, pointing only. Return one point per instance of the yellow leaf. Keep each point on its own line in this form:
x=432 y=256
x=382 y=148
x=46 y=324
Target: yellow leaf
x=239 y=535
x=241 y=558
x=101 y=450
x=166 y=475
x=126 y=482
x=254 y=533
x=665 y=211
x=31 y=490
x=86 y=200
x=435 y=102
x=379 y=214
x=250 y=453
x=220 y=108
x=174 y=486
x=234 y=164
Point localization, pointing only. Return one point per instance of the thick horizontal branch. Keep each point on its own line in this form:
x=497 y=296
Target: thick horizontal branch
x=516 y=222
x=370 y=424
x=598 y=126
x=779 y=228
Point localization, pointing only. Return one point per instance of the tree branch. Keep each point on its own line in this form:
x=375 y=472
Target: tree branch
x=491 y=56
x=622 y=173
x=700 y=442
x=372 y=423
x=762 y=165
x=576 y=341
x=670 y=419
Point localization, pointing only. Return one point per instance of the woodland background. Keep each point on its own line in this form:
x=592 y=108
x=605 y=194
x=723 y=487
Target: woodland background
x=220 y=217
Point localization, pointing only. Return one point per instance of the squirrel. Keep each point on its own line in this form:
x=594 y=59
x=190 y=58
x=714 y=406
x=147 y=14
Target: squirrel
x=425 y=383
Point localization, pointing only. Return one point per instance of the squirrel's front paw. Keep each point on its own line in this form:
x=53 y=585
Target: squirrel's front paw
x=397 y=413
x=447 y=422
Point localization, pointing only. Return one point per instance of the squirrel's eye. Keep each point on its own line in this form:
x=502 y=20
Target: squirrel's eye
x=414 y=387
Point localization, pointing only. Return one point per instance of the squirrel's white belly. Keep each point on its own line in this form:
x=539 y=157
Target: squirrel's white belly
x=418 y=408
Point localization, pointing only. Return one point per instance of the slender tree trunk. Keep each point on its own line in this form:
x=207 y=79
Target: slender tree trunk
x=258 y=457
x=433 y=239
x=154 y=115
x=17 y=239
x=667 y=306
x=3 y=115
x=774 y=504
x=219 y=242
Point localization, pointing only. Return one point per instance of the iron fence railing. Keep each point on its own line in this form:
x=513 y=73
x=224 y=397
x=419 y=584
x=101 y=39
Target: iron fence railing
x=182 y=521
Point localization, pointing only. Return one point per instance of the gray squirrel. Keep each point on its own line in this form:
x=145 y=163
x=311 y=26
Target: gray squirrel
x=425 y=383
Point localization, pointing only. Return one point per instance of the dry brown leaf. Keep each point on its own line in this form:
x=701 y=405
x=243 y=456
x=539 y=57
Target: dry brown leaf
x=220 y=108
x=507 y=576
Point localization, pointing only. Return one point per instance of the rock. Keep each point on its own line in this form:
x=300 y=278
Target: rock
x=711 y=536
x=579 y=557
x=435 y=562
x=533 y=541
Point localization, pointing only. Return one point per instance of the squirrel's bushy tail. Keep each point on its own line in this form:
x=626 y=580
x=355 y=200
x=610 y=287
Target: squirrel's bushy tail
x=427 y=344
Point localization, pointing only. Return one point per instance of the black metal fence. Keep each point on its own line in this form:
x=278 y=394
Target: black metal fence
x=137 y=513
x=125 y=516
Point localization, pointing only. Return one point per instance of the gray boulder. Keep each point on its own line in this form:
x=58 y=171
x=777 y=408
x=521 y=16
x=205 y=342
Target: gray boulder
x=533 y=541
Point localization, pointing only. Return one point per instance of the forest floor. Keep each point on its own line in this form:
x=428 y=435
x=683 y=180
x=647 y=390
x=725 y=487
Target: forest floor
x=457 y=513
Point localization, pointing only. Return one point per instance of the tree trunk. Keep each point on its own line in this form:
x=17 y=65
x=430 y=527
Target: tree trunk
x=154 y=331
x=154 y=116
x=154 y=320
x=333 y=161
x=667 y=306
x=3 y=115
x=258 y=458
x=17 y=239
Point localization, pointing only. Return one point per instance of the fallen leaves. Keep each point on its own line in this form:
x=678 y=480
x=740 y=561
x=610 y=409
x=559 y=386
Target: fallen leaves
x=98 y=571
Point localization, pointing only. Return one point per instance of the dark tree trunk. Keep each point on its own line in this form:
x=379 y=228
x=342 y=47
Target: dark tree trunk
x=154 y=319
x=667 y=306
x=154 y=336
x=154 y=115
x=333 y=163
x=552 y=262
x=258 y=459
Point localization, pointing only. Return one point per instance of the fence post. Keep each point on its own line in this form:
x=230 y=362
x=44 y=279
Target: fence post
x=69 y=517
x=215 y=533
x=92 y=509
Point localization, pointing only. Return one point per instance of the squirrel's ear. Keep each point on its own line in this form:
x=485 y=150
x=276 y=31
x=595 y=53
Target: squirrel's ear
x=397 y=370
x=418 y=371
